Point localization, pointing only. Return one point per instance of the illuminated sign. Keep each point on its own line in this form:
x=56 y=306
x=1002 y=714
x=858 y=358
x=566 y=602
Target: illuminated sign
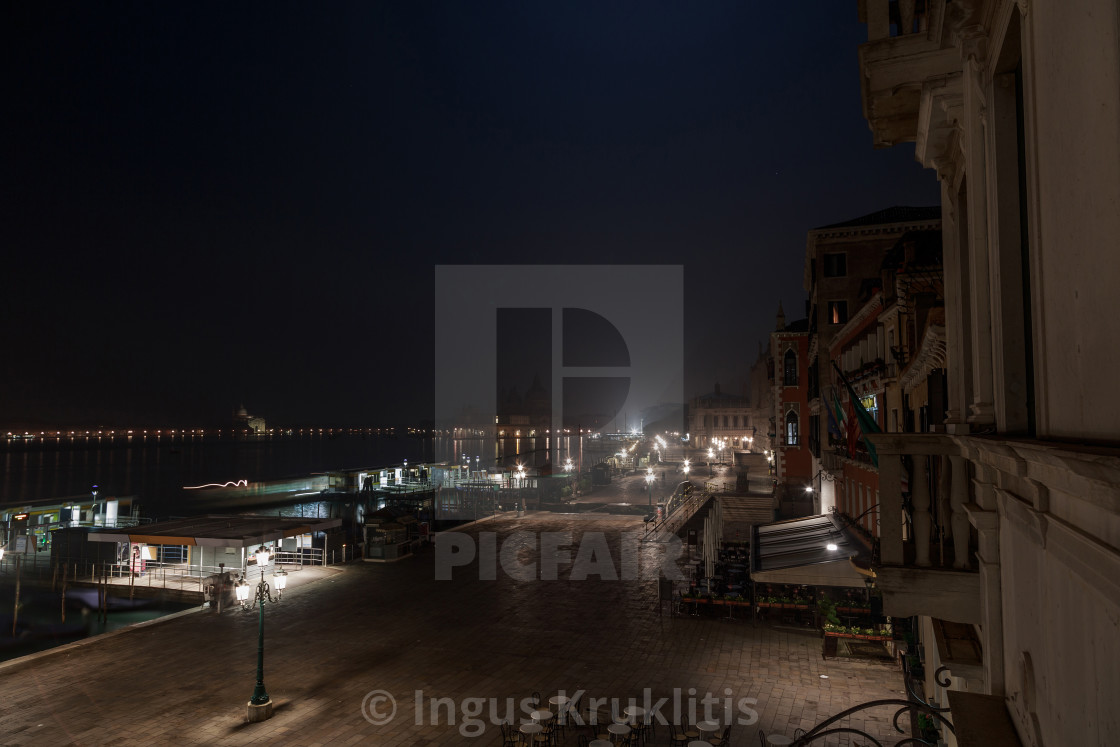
x=19 y=517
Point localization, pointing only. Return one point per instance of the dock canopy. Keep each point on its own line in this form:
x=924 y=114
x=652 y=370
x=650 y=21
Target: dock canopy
x=216 y=531
x=798 y=552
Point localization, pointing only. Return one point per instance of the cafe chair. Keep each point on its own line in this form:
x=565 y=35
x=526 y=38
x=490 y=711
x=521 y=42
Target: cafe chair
x=722 y=740
x=510 y=736
x=677 y=735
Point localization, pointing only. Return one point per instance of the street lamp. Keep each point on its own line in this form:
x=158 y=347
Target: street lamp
x=649 y=484
x=260 y=705
x=687 y=467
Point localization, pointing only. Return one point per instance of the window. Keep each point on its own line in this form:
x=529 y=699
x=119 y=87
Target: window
x=734 y=421
x=724 y=421
x=871 y=404
x=791 y=428
x=837 y=312
x=789 y=367
x=835 y=265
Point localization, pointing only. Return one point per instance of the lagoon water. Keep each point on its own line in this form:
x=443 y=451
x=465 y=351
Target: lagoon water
x=156 y=469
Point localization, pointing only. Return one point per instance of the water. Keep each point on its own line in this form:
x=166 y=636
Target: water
x=155 y=469
x=41 y=625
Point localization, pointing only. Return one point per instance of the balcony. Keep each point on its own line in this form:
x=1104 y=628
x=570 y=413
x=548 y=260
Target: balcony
x=903 y=52
x=927 y=544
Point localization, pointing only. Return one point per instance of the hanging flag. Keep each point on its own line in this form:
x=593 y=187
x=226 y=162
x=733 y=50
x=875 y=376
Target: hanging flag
x=835 y=416
x=853 y=429
x=867 y=423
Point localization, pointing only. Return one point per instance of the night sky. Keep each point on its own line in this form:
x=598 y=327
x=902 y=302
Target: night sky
x=207 y=204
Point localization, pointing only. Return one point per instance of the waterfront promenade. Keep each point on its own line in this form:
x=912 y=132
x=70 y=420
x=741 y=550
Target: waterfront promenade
x=394 y=628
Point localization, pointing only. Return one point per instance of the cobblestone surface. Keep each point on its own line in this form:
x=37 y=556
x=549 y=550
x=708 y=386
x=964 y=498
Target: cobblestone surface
x=395 y=628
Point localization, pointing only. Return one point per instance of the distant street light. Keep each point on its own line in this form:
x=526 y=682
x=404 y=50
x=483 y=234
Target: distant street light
x=649 y=484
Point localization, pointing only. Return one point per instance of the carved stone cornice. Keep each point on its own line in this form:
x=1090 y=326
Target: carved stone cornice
x=930 y=356
x=939 y=120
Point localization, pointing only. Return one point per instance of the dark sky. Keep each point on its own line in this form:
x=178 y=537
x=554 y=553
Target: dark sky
x=210 y=203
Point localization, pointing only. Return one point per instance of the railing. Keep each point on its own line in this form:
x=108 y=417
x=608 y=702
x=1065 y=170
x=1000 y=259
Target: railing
x=301 y=557
x=906 y=16
x=926 y=526
x=678 y=510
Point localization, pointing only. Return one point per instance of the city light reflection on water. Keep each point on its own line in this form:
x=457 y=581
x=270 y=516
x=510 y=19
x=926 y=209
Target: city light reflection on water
x=156 y=471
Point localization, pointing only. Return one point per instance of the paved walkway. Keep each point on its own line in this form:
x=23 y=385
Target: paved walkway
x=395 y=629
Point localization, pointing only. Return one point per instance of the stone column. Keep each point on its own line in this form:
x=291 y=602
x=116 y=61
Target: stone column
x=973 y=49
x=959 y=343
x=890 y=500
x=991 y=584
x=919 y=497
x=958 y=498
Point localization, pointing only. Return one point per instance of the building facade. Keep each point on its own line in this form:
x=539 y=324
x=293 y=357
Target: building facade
x=999 y=529
x=843 y=271
x=789 y=350
x=720 y=417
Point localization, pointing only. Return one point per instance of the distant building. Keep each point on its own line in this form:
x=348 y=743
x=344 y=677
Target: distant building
x=789 y=349
x=843 y=271
x=718 y=415
x=252 y=423
x=760 y=395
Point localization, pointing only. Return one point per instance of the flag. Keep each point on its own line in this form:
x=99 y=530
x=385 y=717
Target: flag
x=835 y=417
x=853 y=429
x=867 y=423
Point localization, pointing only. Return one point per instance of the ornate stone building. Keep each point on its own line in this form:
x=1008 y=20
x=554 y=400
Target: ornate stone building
x=719 y=416
x=999 y=530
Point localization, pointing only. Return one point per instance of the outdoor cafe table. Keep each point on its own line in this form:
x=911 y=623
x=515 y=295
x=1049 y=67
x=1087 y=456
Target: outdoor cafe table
x=560 y=701
x=605 y=743
x=619 y=730
x=530 y=730
x=563 y=705
x=634 y=712
x=706 y=727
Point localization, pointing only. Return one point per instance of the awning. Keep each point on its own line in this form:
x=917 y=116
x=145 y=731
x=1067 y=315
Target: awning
x=216 y=531
x=798 y=552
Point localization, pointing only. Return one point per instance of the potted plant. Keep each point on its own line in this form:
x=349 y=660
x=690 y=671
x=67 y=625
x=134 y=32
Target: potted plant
x=927 y=727
x=827 y=609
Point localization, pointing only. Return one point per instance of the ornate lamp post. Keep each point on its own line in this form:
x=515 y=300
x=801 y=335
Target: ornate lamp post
x=260 y=704
x=649 y=484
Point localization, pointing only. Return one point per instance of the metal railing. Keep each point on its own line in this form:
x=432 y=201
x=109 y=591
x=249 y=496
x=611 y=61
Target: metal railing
x=301 y=557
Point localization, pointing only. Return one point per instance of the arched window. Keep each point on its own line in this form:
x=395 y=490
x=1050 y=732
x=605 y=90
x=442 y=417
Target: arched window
x=791 y=428
x=789 y=367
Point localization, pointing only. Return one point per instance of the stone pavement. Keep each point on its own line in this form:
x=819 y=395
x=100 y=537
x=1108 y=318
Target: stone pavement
x=394 y=628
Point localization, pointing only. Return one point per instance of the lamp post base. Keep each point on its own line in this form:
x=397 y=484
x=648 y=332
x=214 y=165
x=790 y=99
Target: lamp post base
x=255 y=713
